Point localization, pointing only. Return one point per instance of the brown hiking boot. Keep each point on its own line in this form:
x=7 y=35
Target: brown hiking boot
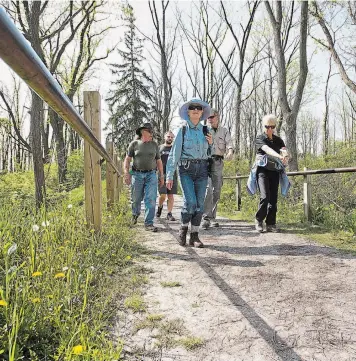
x=170 y=217
x=159 y=211
x=134 y=219
x=151 y=228
x=272 y=228
x=183 y=236
x=206 y=224
x=194 y=240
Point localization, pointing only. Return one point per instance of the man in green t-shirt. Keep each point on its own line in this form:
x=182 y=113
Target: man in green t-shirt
x=145 y=156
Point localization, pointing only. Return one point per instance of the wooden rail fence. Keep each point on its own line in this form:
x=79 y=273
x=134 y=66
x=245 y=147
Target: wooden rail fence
x=18 y=54
x=307 y=189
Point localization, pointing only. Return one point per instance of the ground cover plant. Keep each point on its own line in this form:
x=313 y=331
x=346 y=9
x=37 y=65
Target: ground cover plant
x=58 y=278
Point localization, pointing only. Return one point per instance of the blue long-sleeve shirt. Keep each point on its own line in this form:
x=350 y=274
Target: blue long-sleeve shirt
x=195 y=147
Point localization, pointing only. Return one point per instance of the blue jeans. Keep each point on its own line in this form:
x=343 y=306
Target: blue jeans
x=144 y=187
x=193 y=179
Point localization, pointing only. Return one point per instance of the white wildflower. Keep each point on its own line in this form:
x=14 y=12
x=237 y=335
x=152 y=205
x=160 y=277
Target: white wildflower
x=65 y=269
x=12 y=249
x=70 y=206
x=35 y=228
x=45 y=224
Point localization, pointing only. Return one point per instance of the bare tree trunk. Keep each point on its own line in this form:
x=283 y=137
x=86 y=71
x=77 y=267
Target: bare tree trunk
x=290 y=113
x=61 y=150
x=238 y=122
x=326 y=115
x=36 y=146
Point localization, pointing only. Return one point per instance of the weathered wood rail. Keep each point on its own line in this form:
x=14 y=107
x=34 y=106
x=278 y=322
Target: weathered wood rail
x=18 y=54
x=307 y=190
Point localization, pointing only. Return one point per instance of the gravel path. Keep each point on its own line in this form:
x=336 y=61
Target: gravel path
x=248 y=297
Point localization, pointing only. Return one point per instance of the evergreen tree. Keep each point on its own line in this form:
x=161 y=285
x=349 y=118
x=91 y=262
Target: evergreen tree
x=129 y=100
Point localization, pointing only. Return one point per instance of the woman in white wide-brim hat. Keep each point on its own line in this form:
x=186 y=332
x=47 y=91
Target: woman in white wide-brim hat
x=190 y=152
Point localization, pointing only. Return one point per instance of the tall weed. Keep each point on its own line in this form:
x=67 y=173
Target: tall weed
x=56 y=285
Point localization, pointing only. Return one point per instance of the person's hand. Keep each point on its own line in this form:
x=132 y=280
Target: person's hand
x=127 y=178
x=209 y=138
x=169 y=184
x=161 y=181
x=284 y=160
x=229 y=155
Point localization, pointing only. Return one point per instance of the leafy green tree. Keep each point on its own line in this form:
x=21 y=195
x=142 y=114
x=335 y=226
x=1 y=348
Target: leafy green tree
x=129 y=100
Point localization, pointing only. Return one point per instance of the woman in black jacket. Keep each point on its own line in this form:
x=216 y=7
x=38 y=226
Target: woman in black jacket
x=272 y=147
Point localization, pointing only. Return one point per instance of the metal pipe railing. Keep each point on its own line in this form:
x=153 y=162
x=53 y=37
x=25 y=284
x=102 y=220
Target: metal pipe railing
x=18 y=54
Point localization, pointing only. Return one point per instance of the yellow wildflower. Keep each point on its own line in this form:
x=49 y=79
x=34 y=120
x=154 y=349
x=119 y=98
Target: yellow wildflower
x=3 y=303
x=78 y=349
x=128 y=258
x=50 y=296
x=36 y=300
x=36 y=274
x=59 y=275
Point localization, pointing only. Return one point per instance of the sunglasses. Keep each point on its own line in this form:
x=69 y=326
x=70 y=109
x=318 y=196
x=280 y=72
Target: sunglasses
x=270 y=126
x=213 y=116
x=195 y=107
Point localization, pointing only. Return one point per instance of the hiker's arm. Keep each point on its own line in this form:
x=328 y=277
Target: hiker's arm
x=174 y=156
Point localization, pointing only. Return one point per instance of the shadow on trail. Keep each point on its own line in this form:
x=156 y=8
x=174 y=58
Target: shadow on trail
x=226 y=230
x=284 y=250
x=221 y=261
x=280 y=347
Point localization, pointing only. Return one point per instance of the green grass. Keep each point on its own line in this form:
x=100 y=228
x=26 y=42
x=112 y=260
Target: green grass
x=60 y=282
x=135 y=303
x=155 y=317
x=151 y=321
x=170 y=284
x=191 y=343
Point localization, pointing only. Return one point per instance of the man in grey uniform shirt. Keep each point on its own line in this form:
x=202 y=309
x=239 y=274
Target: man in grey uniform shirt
x=222 y=143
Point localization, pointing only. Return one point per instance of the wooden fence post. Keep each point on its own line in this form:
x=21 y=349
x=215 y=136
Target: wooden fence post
x=110 y=177
x=238 y=192
x=116 y=179
x=120 y=180
x=307 y=196
x=92 y=166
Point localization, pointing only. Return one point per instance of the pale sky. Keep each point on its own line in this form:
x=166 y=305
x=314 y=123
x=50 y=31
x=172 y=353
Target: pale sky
x=318 y=66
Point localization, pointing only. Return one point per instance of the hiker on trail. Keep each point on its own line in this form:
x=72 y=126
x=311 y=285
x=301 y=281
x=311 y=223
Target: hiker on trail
x=190 y=152
x=221 y=143
x=164 y=193
x=143 y=176
x=271 y=159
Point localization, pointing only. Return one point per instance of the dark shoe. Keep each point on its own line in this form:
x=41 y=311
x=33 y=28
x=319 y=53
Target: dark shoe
x=272 y=228
x=215 y=224
x=206 y=224
x=258 y=226
x=134 y=220
x=170 y=217
x=183 y=236
x=194 y=240
x=159 y=212
x=151 y=228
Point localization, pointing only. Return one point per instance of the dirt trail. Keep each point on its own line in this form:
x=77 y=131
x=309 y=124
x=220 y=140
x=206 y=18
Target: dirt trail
x=248 y=297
